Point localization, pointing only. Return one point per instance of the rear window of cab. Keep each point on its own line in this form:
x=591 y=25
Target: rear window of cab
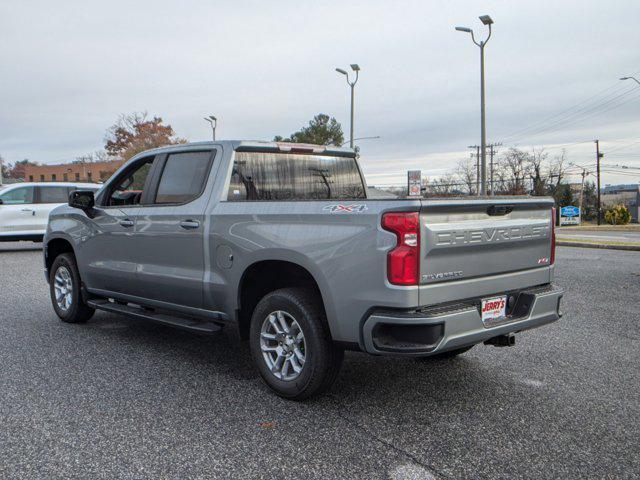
x=285 y=176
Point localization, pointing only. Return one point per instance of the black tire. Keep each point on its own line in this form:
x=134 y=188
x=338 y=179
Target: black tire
x=449 y=354
x=77 y=311
x=322 y=357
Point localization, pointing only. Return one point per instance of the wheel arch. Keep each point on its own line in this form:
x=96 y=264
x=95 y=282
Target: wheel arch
x=264 y=276
x=54 y=247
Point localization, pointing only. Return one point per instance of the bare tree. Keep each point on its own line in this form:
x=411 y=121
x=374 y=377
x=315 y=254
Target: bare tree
x=514 y=165
x=557 y=170
x=467 y=174
x=445 y=186
x=546 y=173
x=97 y=156
x=537 y=161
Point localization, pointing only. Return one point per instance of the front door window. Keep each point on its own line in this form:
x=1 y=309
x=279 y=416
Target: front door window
x=128 y=190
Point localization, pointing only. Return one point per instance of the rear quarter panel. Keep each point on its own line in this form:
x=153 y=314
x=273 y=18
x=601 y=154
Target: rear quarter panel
x=345 y=251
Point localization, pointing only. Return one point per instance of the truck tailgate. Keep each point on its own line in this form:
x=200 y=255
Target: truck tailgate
x=467 y=238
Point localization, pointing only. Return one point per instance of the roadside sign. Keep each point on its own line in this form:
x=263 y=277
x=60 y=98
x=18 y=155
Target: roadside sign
x=414 y=179
x=570 y=215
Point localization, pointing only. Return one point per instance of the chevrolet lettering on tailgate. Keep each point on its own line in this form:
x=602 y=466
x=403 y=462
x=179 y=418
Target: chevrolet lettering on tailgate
x=491 y=235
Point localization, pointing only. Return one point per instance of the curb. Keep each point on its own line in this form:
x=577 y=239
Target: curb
x=562 y=243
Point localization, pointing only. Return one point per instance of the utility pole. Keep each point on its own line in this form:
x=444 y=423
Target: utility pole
x=1 y=171
x=584 y=173
x=598 y=157
x=492 y=152
x=477 y=156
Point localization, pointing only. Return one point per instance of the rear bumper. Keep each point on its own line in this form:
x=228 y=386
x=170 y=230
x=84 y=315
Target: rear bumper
x=451 y=326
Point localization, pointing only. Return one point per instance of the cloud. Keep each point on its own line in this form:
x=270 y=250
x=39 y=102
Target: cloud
x=265 y=69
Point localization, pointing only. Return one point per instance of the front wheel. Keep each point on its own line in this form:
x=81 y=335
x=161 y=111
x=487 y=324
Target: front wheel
x=291 y=344
x=64 y=286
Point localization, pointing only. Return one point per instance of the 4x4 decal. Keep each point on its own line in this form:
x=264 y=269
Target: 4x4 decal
x=353 y=208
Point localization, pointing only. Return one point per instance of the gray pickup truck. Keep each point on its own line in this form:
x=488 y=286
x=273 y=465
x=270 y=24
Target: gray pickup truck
x=283 y=242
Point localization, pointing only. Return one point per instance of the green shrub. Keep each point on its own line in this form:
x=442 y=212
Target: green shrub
x=617 y=215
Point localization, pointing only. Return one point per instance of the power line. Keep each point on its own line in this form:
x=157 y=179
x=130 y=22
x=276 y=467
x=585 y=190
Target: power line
x=616 y=85
x=587 y=113
x=567 y=145
x=623 y=146
x=546 y=124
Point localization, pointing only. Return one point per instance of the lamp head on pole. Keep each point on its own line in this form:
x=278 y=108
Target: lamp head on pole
x=339 y=70
x=486 y=19
x=463 y=29
x=214 y=123
x=624 y=78
x=355 y=67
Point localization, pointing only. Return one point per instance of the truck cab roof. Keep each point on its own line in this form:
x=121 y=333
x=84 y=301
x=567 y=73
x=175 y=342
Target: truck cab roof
x=257 y=146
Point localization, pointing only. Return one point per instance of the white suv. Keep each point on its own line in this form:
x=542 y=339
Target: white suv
x=25 y=207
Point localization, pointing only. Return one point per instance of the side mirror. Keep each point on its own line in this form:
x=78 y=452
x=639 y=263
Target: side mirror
x=82 y=199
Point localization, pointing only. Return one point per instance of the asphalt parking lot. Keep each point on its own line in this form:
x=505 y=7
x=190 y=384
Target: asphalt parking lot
x=121 y=398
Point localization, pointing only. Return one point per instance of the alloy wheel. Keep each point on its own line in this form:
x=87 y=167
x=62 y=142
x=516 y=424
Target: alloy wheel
x=63 y=288
x=283 y=346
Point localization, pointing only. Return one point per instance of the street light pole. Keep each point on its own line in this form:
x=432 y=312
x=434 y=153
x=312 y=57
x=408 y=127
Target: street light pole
x=631 y=78
x=361 y=138
x=483 y=126
x=214 y=123
x=486 y=20
x=355 y=68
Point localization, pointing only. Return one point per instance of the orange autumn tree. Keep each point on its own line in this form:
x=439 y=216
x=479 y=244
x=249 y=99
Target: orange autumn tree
x=135 y=132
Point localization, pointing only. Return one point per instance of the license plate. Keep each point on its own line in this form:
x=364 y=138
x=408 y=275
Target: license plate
x=493 y=309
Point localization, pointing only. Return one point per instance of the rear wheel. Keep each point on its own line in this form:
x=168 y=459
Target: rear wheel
x=291 y=344
x=64 y=286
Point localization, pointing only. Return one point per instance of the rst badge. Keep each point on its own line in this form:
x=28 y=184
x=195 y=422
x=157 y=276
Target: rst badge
x=353 y=208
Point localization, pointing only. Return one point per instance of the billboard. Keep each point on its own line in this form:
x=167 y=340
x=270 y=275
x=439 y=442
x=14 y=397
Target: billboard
x=570 y=215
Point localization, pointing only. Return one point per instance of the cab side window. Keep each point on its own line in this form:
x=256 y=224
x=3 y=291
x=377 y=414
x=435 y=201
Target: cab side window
x=17 y=196
x=128 y=188
x=183 y=177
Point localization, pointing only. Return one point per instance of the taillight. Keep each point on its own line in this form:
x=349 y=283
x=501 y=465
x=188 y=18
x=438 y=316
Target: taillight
x=553 y=236
x=403 y=262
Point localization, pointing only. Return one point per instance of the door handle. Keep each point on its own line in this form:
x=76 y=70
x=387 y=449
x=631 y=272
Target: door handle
x=189 y=224
x=126 y=222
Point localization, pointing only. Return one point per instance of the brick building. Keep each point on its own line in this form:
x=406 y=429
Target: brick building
x=71 y=172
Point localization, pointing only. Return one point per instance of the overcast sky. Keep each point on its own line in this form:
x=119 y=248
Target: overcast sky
x=265 y=68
